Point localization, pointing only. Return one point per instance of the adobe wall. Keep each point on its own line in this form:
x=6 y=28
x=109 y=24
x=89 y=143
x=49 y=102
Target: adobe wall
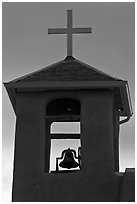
x=96 y=181
x=127 y=186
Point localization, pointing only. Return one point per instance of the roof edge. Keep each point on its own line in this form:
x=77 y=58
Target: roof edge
x=75 y=84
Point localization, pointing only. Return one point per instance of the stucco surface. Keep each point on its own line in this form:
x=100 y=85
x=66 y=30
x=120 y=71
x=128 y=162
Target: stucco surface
x=96 y=181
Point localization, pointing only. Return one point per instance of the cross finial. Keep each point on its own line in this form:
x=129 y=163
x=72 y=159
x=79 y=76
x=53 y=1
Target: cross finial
x=69 y=31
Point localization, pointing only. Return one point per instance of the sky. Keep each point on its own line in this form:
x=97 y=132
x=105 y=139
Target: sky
x=27 y=47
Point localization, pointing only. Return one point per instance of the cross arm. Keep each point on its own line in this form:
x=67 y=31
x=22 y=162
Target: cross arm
x=57 y=30
x=82 y=30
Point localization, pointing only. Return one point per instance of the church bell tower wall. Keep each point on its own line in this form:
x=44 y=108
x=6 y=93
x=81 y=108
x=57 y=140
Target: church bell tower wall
x=29 y=137
x=97 y=131
x=96 y=179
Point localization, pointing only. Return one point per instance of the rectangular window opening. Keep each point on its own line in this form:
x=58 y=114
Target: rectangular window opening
x=65 y=128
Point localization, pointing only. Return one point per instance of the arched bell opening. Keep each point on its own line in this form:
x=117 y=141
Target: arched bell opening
x=63 y=106
x=62 y=133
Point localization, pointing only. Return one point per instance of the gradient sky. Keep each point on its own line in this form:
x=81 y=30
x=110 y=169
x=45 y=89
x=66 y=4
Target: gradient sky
x=27 y=47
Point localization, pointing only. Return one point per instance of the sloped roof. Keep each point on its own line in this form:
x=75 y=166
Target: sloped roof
x=69 y=69
x=71 y=73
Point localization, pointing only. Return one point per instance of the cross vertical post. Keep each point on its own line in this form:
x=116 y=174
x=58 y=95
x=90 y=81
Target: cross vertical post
x=69 y=36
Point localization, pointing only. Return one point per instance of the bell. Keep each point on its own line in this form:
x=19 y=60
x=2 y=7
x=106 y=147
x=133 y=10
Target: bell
x=68 y=161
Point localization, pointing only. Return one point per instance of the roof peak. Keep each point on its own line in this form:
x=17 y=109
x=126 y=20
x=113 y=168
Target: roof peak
x=69 y=58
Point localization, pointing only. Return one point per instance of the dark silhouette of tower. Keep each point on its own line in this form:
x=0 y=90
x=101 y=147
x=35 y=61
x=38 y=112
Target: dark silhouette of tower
x=70 y=91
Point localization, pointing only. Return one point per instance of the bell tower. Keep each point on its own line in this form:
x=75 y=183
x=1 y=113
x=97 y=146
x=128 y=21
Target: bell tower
x=76 y=94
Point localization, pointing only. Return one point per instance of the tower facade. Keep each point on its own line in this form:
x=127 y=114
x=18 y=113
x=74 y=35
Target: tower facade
x=70 y=91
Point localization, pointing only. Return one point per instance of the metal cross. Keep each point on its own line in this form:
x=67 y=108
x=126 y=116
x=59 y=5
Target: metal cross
x=69 y=31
